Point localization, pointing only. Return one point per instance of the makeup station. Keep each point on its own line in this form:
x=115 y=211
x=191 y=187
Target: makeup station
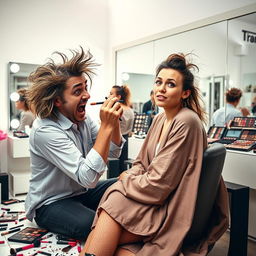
x=223 y=47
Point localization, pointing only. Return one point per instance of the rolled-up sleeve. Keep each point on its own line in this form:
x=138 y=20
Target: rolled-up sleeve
x=91 y=169
x=114 y=150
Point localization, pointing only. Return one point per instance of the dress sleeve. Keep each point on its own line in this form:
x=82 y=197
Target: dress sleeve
x=180 y=154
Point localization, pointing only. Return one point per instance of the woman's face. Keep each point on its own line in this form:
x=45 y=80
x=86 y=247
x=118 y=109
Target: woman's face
x=168 y=89
x=20 y=105
x=113 y=93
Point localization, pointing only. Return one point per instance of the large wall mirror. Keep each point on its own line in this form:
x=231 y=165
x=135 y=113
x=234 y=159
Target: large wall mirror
x=242 y=57
x=17 y=79
x=224 y=59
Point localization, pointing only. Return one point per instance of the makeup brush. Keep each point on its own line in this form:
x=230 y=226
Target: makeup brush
x=13 y=251
x=101 y=102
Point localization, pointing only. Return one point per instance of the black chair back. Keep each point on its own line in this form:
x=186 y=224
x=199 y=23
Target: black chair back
x=213 y=161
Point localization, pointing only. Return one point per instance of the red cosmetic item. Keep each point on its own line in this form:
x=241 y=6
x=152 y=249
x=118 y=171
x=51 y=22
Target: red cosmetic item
x=13 y=251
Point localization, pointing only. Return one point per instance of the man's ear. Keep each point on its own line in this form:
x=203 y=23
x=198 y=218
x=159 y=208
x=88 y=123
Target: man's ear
x=57 y=102
x=186 y=94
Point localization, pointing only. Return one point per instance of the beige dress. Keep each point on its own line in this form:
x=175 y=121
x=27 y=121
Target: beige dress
x=157 y=198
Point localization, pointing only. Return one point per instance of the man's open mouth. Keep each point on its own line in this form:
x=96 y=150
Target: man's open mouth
x=81 y=108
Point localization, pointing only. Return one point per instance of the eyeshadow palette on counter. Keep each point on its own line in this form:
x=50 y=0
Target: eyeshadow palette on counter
x=248 y=135
x=140 y=124
x=244 y=122
x=246 y=139
x=230 y=136
x=215 y=133
x=28 y=235
x=244 y=145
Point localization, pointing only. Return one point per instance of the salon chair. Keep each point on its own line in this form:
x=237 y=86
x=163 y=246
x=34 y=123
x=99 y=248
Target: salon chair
x=213 y=161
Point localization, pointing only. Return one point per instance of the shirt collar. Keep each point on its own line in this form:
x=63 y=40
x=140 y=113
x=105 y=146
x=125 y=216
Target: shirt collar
x=230 y=105
x=64 y=122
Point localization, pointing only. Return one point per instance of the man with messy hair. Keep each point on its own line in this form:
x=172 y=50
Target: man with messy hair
x=68 y=150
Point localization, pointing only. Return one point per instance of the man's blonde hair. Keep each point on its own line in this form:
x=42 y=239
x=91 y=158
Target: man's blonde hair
x=49 y=80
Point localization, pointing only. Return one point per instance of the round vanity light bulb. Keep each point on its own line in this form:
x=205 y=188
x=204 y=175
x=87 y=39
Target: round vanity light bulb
x=125 y=76
x=15 y=123
x=14 y=96
x=15 y=67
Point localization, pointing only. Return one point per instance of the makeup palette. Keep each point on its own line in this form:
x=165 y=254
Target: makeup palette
x=244 y=122
x=215 y=133
x=140 y=125
x=246 y=141
x=244 y=145
x=28 y=235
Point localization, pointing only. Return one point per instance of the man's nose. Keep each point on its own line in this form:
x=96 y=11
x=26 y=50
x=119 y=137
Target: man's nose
x=85 y=96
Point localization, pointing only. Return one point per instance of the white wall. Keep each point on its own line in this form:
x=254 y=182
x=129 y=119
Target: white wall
x=133 y=19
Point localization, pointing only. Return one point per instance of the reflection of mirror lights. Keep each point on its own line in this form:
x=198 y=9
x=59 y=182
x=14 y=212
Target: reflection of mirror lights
x=15 y=123
x=15 y=67
x=125 y=76
x=14 y=96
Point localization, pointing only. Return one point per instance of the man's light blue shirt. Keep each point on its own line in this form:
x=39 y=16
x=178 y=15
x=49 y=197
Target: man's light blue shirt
x=63 y=161
x=222 y=116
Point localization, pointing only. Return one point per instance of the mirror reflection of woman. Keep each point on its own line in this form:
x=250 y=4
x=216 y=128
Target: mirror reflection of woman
x=26 y=116
x=123 y=93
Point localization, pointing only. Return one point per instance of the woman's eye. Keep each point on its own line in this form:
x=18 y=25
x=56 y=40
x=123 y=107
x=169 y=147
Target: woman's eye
x=171 y=84
x=158 y=82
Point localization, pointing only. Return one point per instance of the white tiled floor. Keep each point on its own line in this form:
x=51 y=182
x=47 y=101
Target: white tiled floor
x=52 y=248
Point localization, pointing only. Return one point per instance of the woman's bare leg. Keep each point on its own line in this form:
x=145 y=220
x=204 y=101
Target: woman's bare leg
x=106 y=236
x=104 y=239
x=88 y=240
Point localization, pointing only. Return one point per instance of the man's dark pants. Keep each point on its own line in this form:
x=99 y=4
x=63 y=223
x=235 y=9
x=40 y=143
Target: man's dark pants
x=72 y=216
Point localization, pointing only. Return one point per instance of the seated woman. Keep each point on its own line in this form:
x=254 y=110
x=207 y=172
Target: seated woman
x=150 y=209
x=26 y=116
x=123 y=93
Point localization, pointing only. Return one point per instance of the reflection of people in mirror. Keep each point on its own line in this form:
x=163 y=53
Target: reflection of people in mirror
x=150 y=108
x=254 y=106
x=126 y=123
x=150 y=209
x=223 y=115
x=26 y=116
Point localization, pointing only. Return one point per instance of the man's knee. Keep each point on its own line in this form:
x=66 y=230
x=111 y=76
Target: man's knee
x=81 y=229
